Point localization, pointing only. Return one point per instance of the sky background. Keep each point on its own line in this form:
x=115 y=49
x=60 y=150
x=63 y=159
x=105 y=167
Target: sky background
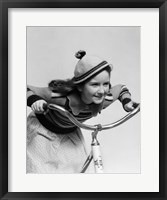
x=50 y=55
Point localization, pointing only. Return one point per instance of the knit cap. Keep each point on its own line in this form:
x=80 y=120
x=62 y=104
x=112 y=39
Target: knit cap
x=87 y=66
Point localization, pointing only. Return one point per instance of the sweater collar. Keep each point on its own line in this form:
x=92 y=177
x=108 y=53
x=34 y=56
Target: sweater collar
x=77 y=105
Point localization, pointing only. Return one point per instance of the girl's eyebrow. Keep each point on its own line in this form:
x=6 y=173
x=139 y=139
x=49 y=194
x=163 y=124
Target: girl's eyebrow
x=93 y=81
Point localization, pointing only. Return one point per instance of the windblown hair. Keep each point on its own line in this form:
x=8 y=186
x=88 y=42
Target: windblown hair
x=62 y=86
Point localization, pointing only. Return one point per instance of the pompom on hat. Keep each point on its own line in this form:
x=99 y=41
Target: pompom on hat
x=88 y=66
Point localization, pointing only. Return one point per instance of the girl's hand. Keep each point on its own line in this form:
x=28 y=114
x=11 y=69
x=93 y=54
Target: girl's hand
x=38 y=106
x=130 y=106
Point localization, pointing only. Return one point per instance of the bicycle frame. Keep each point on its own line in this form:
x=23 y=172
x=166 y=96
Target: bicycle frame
x=95 y=153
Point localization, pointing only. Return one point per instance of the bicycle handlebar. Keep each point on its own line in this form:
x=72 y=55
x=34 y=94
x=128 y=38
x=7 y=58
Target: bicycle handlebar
x=94 y=127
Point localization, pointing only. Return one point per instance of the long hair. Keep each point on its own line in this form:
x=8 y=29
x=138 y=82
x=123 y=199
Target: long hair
x=63 y=87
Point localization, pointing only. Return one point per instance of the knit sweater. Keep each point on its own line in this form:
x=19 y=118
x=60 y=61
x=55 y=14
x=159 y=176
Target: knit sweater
x=56 y=121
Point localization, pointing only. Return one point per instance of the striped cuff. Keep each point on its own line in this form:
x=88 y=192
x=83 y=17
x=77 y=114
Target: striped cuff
x=32 y=99
x=124 y=94
x=125 y=101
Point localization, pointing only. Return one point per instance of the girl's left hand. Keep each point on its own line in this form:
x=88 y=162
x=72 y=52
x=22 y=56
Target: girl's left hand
x=130 y=106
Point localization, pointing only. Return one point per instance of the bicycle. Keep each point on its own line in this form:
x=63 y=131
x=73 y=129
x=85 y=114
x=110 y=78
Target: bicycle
x=95 y=153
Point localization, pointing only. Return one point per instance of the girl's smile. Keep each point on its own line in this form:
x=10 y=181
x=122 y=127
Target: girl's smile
x=95 y=90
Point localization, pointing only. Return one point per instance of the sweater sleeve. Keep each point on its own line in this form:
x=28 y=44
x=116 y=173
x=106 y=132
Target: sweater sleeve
x=36 y=93
x=118 y=92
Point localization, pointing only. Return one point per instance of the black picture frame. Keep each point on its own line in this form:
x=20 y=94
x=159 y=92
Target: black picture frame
x=4 y=5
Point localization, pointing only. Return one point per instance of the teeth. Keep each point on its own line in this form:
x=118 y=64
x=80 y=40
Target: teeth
x=99 y=96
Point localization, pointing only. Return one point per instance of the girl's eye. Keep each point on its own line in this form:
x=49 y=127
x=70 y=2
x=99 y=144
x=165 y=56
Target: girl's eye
x=94 y=84
x=106 y=84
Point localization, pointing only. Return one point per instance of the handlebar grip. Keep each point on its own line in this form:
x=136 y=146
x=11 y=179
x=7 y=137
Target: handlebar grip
x=135 y=105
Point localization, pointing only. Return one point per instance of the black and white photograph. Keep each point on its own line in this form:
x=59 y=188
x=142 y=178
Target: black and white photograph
x=83 y=99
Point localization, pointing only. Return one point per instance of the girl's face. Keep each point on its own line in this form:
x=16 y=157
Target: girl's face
x=95 y=90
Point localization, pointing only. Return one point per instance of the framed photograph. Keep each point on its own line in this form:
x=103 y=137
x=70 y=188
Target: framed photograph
x=63 y=61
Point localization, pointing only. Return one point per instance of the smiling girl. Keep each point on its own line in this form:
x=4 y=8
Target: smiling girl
x=54 y=143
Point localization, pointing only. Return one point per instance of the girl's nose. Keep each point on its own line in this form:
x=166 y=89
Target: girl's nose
x=101 y=90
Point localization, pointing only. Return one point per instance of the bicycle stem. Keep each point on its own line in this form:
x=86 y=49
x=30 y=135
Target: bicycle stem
x=96 y=152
